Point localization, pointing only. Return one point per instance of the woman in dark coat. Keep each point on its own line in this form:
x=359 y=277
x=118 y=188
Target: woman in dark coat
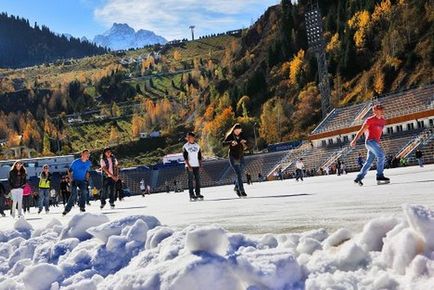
x=237 y=144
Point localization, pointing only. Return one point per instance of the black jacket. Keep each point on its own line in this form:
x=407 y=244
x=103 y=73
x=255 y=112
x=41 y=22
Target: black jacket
x=419 y=154
x=237 y=151
x=17 y=180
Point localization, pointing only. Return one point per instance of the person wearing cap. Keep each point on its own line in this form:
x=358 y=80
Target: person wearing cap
x=44 y=189
x=193 y=161
x=78 y=174
x=373 y=129
x=109 y=166
x=237 y=144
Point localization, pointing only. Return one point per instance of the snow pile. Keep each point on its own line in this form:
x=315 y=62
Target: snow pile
x=136 y=252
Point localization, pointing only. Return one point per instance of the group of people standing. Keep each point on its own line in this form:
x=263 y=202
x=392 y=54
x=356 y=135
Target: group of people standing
x=237 y=144
x=74 y=188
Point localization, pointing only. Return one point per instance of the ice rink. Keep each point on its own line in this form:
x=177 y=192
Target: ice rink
x=330 y=202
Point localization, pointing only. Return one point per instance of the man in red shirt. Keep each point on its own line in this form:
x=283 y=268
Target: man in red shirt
x=373 y=129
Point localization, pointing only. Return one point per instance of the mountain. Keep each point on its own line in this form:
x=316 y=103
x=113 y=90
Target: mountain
x=122 y=36
x=24 y=45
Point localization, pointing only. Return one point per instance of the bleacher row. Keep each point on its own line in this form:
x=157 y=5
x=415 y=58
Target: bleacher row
x=398 y=104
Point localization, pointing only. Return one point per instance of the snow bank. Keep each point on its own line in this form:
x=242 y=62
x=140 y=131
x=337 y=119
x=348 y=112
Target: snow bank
x=208 y=239
x=79 y=224
x=136 y=252
x=104 y=231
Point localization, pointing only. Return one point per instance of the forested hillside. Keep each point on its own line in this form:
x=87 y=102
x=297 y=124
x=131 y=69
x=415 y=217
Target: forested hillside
x=264 y=77
x=22 y=44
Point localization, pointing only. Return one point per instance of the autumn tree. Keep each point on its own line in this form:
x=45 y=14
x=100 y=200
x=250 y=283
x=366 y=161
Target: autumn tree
x=273 y=120
x=296 y=65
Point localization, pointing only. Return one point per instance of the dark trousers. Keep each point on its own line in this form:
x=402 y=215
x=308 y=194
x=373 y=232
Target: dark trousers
x=27 y=202
x=65 y=196
x=238 y=167
x=2 y=203
x=194 y=174
x=298 y=174
x=108 y=189
x=83 y=192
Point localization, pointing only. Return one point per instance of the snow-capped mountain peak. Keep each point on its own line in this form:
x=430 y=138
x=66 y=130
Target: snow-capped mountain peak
x=122 y=36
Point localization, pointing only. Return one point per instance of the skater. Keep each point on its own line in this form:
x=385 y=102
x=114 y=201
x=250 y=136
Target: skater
x=44 y=189
x=119 y=190
x=260 y=177
x=109 y=167
x=280 y=174
x=193 y=162
x=54 y=198
x=2 y=199
x=78 y=175
x=166 y=185
x=373 y=129
x=27 y=197
x=143 y=187
x=360 y=161
x=419 y=157
x=64 y=190
x=237 y=144
x=299 y=165
x=17 y=180
x=249 y=178
x=338 y=167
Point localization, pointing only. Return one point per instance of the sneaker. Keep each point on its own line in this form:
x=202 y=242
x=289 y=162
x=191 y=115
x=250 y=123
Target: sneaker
x=40 y=210
x=112 y=205
x=199 y=196
x=3 y=214
x=64 y=213
x=243 y=194
x=82 y=209
x=102 y=206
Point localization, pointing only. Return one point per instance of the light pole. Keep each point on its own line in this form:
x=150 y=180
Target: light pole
x=316 y=43
x=254 y=133
x=192 y=27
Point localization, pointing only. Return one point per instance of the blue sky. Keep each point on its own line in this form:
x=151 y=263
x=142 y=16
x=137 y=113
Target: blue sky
x=169 y=18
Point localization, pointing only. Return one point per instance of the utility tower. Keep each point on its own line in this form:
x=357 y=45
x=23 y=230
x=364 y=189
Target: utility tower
x=316 y=43
x=192 y=27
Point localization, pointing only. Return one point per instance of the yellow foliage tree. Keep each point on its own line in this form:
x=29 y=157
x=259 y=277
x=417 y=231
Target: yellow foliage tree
x=379 y=82
x=334 y=43
x=295 y=67
x=382 y=10
x=360 y=22
x=177 y=55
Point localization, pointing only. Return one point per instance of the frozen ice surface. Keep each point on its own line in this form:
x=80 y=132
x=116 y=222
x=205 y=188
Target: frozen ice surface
x=324 y=233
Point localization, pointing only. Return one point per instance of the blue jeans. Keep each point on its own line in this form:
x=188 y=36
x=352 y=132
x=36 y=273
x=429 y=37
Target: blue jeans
x=420 y=161
x=374 y=151
x=83 y=192
x=44 y=198
x=238 y=167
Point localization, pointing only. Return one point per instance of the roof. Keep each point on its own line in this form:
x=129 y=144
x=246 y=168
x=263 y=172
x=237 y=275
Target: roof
x=395 y=104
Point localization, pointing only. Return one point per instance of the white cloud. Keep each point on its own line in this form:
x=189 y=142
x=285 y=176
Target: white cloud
x=171 y=18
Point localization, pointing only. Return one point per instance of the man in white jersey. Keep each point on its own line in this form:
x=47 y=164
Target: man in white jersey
x=299 y=167
x=193 y=162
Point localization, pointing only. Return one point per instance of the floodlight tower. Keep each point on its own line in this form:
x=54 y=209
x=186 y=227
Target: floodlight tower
x=316 y=43
x=192 y=27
